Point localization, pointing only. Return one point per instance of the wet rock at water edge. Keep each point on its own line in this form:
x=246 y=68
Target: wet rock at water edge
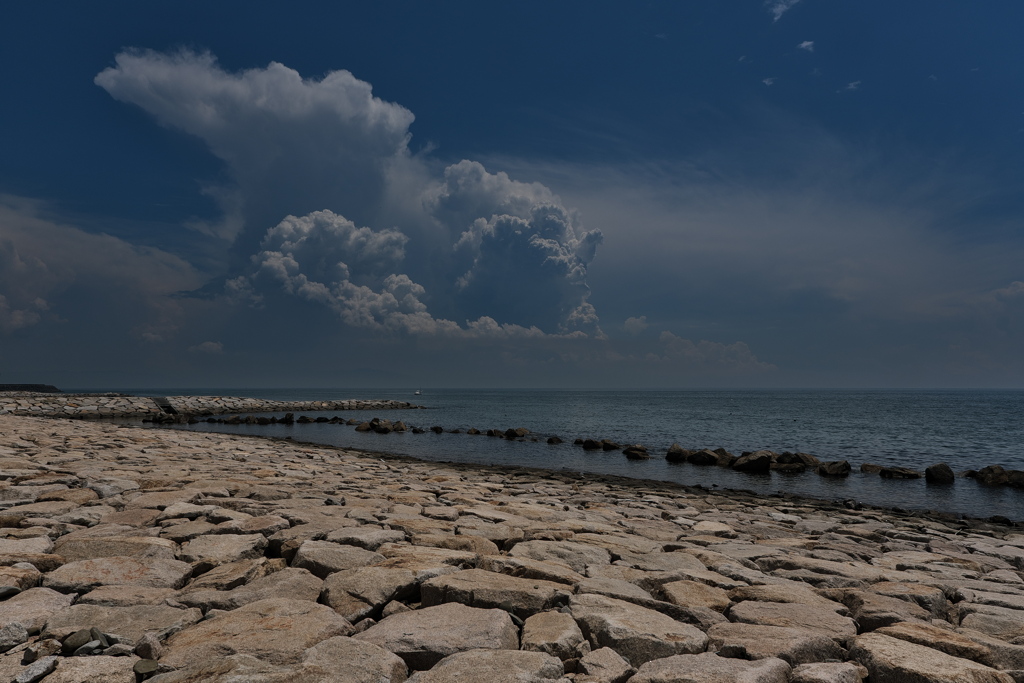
x=898 y=473
x=677 y=453
x=834 y=468
x=939 y=474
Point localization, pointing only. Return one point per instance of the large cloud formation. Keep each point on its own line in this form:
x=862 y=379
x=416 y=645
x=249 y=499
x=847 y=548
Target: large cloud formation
x=313 y=157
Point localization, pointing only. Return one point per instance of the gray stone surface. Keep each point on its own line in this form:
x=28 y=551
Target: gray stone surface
x=33 y=607
x=641 y=634
x=889 y=660
x=710 y=668
x=425 y=636
x=792 y=645
x=479 y=588
x=554 y=633
x=85 y=575
x=278 y=630
x=492 y=666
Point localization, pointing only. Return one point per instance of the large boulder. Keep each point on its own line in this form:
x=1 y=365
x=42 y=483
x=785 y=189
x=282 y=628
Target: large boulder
x=792 y=645
x=793 y=615
x=296 y=584
x=491 y=666
x=890 y=660
x=425 y=636
x=710 y=668
x=479 y=588
x=32 y=608
x=939 y=474
x=84 y=575
x=640 y=633
x=834 y=468
x=278 y=631
x=361 y=592
x=576 y=555
x=323 y=558
x=554 y=633
x=758 y=462
x=128 y=623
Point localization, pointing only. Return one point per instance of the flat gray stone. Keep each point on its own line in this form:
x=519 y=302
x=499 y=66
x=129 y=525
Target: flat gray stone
x=425 y=636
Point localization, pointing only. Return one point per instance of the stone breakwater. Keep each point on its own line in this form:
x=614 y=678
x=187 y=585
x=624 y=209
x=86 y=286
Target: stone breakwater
x=129 y=554
x=97 y=406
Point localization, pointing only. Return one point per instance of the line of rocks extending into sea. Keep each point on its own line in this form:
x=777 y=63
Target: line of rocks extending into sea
x=762 y=461
x=129 y=554
x=98 y=406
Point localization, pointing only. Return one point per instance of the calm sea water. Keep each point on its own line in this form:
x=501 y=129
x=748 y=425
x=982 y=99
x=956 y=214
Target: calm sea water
x=966 y=429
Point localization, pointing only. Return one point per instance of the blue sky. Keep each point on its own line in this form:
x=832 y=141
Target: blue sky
x=667 y=194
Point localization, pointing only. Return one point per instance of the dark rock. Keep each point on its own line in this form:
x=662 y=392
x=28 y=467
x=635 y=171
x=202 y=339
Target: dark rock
x=789 y=467
x=724 y=458
x=76 y=640
x=609 y=445
x=437 y=429
x=554 y=440
x=898 y=473
x=939 y=474
x=591 y=445
x=1015 y=478
x=677 y=453
x=418 y=430
x=351 y=421
x=577 y=442
x=870 y=468
x=834 y=468
x=993 y=475
x=322 y=419
x=364 y=427
x=636 y=452
x=495 y=432
x=472 y=430
x=516 y=433
x=399 y=426
x=304 y=420
x=758 y=462
x=704 y=457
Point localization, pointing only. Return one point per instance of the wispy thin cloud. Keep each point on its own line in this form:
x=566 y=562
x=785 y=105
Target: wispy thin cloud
x=852 y=85
x=768 y=81
x=780 y=7
x=807 y=45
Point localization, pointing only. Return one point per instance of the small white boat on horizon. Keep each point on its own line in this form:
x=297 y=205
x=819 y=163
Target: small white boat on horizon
x=417 y=392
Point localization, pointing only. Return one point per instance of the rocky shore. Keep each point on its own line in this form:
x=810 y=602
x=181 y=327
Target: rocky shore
x=129 y=554
x=101 y=406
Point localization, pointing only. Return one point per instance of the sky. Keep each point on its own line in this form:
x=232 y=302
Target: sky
x=676 y=194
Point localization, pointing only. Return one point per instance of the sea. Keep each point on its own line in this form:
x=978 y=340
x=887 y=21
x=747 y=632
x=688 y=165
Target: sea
x=967 y=429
